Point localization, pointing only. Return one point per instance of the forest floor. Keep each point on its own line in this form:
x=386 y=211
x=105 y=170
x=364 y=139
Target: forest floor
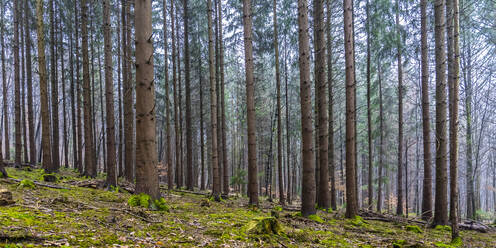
x=75 y=216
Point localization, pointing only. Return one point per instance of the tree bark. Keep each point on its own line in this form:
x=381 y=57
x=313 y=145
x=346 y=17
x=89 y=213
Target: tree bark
x=369 y=116
x=330 y=83
x=146 y=152
x=399 y=206
x=64 y=105
x=308 y=176
x=189 y=139
x=278 y=86
x=225 y=167
x=17 y=88
x=213 y=105
x=109 y=97
x=250 y=104
x=45 y=116
x=4 y=89
x=381 y=145
x=427 y=181
x=55 y=91
x=128 y=99
x=174 y=83
x=441 y=202
x=351 y=187
x=166 y=100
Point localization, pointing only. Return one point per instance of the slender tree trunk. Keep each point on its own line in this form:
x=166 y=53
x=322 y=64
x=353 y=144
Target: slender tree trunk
x=29 y=82
x=73 y=104
x=180 y=168
x=288 y=143
x=4 y=89
x=351 y=192
x=308 y=176
x=454 y=99
x=278 y=86
x=78 y=97
x=369 y=115
x=166 y=100
x=128 y=99
x=23 y=86
x=225 y=167
x=89 y=158
x=17 y=87
x=64 y=111
x=2 y=169
x=330 y=83
x=399 y=206
x=441 y=202
x=189 y=139
x=146 y=152
x=45 y=116
x=202 y=142
x=213 y=105
x=427 y=181
x=381 y=145
x=174 y=83
x=55 y=91
x=109 y=97
x=469 y=141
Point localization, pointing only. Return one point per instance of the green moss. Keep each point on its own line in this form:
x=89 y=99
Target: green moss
x=160 y=205
x=316 y=218
x=264 y=225
x=457 y=242
x=141 y=200
x=399 y=243
x=414 y=228
x=357 y=221
x=443 y=228
x=26 y=184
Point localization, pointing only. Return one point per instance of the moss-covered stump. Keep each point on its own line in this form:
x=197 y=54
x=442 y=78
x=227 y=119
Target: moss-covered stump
x=5 y=197
x=51 y=178
x=264 y=225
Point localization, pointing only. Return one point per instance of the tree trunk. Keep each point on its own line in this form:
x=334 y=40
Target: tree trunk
x=278 y=86
x=381 y=145
x=45 y=116
x=55 y=92
x=250 y=104
x=166 y=100
x=225 y=167
x=351 y=191
x=174 y=83
x=427 y=181
x=64 y=111
x=4 y=89
x=17 y=88
x=399 y=206
x=146 y=152
x=330 y=83
x=213 y=106
x=73 y=104
x=128 y=99
x=321 y=94
x=89 y=158
x=308 y=176
x=189 y=139
x=109 y=97
x=78 y=97
x=288 y=143
x=369 y=115
x=29 y=82
x=441 y=202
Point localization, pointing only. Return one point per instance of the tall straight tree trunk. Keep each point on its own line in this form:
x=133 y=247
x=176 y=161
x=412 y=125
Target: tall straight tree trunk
x=55 y=91
x=369 y=116
x=128 y=99
x=441 y=202
x=2 y=169
x=23 y=86
x=321 y=94
x=109 y=97
x=469 y=142
x=89 y=158
x=308 y=176
x=64 y=111
x=180 y=169
x=202 y=142
x=78 y=96
x=45 y=116
x=399 y=206
x=4 y=89
x=17 y=87
x=330 y=83
x=288 y=143
x=73 y=104
x=189 y=139
x=250 y=104
x=225 y=165
x=278 y=86
x=166 y=100
x=146 y=152
x=427 y=181
x=29 y=83
x=381 y=145
x=351 y=192
x=174 y=84
x=213 y=106
x=454 y=32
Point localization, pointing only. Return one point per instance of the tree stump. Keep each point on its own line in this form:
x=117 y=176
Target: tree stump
x=5 y=197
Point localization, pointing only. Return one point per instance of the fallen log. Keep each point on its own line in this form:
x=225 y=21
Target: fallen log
x=475 y=226
x=39 y=184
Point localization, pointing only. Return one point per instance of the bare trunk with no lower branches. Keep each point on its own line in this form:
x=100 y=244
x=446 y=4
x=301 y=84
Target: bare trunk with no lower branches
x=330 y=83
x=168 y=153
x=17 y=88
x=128 y=98
x=399 y=206
x=55 y=92
x=146 y=152
x=351 y=192
x=29 y=83
x=308 y=176
x=189 y=139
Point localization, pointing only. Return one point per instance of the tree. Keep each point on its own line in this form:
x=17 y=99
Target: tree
x=351 y=192
x=308 y=176
x=45 y=117
x=250 y=104
x=89 y=163
x=109 y=97
x=225 y=167
x=441 y=204
x=146 y=152
x=189 y=139
x=55 y=92
x=168 y=153
x=17 y=87
x=128 y=97
x=427 y=181
x=278 y=87
x=399 y=207
x=4 y=88
x=29 y=82
x=213 y=107
x=321 y=95
x=330 y=83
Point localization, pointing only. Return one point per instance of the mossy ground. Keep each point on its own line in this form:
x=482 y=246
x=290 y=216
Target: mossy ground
x=84 y=217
